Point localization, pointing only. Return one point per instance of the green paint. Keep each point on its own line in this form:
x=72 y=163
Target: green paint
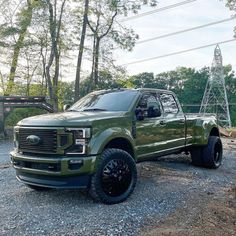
x=146 y=138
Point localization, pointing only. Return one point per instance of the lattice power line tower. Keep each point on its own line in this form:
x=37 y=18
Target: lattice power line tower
x=215 y=96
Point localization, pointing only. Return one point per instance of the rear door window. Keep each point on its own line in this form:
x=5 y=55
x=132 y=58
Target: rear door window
x=168 y=103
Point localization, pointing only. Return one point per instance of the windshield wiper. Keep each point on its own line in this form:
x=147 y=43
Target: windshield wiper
x=94 y=109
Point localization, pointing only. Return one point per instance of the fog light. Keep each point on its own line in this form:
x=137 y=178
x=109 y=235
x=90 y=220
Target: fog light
x=75 y=164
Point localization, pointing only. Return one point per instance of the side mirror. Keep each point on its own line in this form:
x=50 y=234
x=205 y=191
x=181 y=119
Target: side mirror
x=139 y=114
x=66 y=107
x=153 y=112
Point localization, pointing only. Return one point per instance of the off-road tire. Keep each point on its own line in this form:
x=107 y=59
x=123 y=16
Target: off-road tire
x=212 y=153
x=209 y=156
x=196 y=156
x=129 y=172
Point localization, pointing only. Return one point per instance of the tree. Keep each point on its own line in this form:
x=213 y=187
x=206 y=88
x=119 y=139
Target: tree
x=106 y=81
x=193 y=89
x=230 y=82
x=101 y=16
x=231 y=4
x=24 y=21
x=55 y=24
x=101 y=30
x=143 y=80
x=2 y=85
x=81 y=50
x=107 y=31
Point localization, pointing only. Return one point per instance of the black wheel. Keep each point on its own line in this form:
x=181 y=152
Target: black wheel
x=209 y=156
x=196 y=156
x=115 y=178
x=37 y=188
x=212 y=153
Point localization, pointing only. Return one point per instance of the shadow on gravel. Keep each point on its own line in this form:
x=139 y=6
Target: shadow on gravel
x=171 y=163
x=57 y=196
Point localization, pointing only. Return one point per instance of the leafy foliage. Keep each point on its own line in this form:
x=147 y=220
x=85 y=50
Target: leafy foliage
x=39 y=39
x=231 y=4
x=188 y=84
x=20 y=113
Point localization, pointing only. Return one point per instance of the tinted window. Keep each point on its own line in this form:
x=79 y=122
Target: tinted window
x=118 y=100
x=146 y=99
x=169 y=104
x=149 y=106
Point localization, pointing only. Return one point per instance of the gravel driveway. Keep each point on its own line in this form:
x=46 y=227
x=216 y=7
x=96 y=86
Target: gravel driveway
x=163 y=187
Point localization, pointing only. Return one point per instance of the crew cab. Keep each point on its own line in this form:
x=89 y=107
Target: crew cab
x=97 y=142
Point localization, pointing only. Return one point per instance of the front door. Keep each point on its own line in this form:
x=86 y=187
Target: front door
x=150 y=130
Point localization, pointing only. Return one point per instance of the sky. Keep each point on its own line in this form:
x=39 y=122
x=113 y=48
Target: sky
x=186 y=16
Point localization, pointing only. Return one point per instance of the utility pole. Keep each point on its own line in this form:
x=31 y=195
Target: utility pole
x=215 y=96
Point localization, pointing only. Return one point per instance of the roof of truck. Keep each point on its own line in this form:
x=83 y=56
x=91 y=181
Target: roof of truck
x=153 y=89
x=136 y=89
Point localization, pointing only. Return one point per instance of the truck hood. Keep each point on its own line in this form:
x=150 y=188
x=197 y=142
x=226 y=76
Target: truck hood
x=67 y=119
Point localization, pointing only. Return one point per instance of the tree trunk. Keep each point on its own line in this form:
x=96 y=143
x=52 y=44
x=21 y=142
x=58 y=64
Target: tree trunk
x=2 y=82
x=44 y=79
x=81 y=50
x=2 y=127
x=18 y=47
x=55 y=28
x=91 y=84
x=52 y=53
x=96 y=61
x=96 y=45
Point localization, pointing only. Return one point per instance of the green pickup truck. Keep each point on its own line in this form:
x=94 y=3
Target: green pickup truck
x=96 y=143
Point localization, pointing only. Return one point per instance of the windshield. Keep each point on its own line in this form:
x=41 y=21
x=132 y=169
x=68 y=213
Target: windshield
x=118 y=100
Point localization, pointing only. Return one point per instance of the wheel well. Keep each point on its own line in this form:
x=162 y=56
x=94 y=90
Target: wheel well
x=215 y=132
x=121 y=143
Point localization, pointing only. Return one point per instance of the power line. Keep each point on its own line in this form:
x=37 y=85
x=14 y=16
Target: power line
x=186 y=30
x=198 y=105
x=179 y=52
x=157 y=10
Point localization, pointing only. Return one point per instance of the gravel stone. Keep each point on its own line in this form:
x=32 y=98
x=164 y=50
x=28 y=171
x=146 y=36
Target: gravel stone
x=163 y=186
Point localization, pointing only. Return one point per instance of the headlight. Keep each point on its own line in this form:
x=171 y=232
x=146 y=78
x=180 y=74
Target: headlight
x=16 y=137
x=81 y=133
x=81 y=136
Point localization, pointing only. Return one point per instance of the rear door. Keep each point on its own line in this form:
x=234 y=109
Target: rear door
x=173 y=121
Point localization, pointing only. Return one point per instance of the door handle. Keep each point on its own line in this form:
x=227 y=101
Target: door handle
x=162 y=122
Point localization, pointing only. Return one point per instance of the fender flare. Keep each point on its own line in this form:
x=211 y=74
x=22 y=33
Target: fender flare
x=99 y=142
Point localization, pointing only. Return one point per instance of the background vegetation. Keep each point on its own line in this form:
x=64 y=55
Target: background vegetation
x=188 y=83
x=40 y=40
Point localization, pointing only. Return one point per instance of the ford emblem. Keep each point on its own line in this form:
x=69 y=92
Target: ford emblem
x=33 y=140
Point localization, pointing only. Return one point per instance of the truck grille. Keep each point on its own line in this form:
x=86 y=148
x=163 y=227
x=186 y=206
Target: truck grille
x=47 y=144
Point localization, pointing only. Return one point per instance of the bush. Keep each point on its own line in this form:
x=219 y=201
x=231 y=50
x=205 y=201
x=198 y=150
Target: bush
x=20 y=113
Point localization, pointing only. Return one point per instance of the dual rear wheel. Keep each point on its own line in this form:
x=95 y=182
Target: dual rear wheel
x=116 y=174
x=209 y=156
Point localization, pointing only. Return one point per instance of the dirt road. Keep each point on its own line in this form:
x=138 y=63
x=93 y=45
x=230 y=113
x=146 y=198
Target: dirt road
x=172 y=197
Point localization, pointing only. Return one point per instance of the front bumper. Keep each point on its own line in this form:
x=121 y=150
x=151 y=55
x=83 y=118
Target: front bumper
x=59 y=182
x=54 y=172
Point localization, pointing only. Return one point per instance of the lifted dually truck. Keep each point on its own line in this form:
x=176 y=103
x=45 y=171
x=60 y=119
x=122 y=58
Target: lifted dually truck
x=97 y=142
